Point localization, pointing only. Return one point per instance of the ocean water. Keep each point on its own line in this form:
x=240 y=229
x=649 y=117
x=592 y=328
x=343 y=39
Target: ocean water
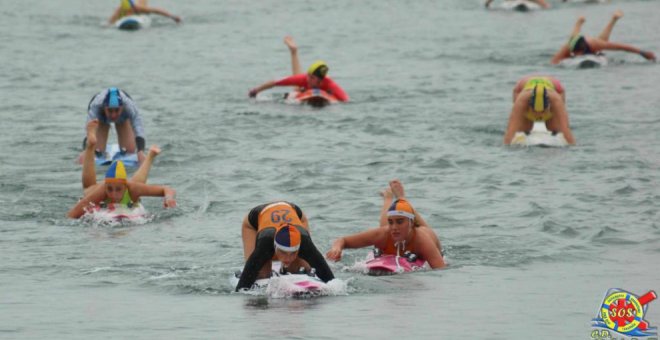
x=534 y=236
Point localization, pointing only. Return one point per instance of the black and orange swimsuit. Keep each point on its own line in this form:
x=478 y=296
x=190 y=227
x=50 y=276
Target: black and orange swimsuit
x=266 y=219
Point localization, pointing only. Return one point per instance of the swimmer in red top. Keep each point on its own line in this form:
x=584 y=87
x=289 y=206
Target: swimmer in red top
x=314 y=79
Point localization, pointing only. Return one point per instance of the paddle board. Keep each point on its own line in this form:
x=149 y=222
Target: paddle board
x=286 y=284
x=114 y=153
x=539 y=136
x=520 y=5
x=392 y=264
x=585 y=61
x=133 y=22
x=313 y=97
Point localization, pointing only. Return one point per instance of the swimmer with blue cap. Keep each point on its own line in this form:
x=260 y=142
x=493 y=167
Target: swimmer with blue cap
x=579 y=44
x=116 y=189
x=131 y=7
x=279 y=231
x=402 y=229
x=538 y=99
x=114 y=106
x=316 y=77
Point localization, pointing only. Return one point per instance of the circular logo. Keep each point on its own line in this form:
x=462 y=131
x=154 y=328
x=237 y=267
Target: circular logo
x=622 y=312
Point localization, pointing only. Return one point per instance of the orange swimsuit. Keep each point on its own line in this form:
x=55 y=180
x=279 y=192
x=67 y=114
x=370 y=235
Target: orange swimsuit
x=391 y=248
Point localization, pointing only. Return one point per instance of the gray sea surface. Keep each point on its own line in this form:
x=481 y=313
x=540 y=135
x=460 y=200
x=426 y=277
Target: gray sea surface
x=534 y=237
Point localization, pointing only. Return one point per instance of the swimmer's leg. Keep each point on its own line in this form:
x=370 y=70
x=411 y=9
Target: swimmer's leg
x=249 y=236
x=102 y=133
x=89 y=161
x=142 y=172
x=605 y=34
x=397 y=189
x=293 y=49
x=578 y=26
x=388 y=197
x=126 y=136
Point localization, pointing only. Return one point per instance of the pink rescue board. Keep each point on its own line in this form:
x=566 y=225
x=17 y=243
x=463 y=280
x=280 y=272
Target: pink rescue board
x=394 y=264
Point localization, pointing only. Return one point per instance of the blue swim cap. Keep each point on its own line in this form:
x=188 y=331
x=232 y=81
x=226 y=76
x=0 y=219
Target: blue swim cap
x=112 y=98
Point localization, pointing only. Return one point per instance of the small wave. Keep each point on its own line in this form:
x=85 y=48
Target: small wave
x=98 y=269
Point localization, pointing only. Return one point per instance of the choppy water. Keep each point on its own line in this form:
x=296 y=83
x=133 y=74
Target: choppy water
x=535 y=237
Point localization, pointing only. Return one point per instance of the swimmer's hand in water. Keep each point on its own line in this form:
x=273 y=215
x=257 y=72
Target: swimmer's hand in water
x=648 y=55
x=169 y=202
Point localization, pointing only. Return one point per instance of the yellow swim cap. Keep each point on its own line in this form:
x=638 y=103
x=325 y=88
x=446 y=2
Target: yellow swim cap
x=539 y=100
x=539 y=103
x=318 y=68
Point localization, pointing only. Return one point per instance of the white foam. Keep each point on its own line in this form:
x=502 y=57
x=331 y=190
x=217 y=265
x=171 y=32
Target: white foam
x=110 y=218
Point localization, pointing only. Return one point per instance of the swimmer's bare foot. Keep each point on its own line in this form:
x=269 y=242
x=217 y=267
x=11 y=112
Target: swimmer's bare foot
x=91 y=133
x=288 y=41
x=397 y=189
x=387 y=194
x=617 y=15
x=154 y=150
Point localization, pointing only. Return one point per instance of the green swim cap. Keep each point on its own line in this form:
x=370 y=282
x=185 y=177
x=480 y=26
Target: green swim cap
x=573 y=42
x=318 y=68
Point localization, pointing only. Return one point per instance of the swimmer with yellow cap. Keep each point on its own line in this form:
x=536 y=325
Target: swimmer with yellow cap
x=134 y=7
x=579 y=44
x=116 y=189
x=538 y=98
x=278 y=231
x=404 y=231
x=316 y=77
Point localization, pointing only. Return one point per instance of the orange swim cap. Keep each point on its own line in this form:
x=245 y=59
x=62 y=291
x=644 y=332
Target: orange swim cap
x=401 y=207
